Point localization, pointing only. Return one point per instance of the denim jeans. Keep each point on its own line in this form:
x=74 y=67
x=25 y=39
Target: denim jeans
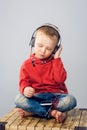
x=64 y=102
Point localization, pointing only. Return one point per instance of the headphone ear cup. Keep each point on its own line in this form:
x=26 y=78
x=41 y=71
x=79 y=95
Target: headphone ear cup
x=32 y=42
x=56 y=48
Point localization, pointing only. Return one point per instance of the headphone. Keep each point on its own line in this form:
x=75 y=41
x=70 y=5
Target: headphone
x=32 y=40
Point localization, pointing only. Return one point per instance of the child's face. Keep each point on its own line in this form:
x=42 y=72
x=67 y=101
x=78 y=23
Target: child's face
x=44 y=45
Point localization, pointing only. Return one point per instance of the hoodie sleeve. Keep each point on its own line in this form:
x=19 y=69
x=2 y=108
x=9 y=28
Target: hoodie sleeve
x=59 y=71
x=24 y=79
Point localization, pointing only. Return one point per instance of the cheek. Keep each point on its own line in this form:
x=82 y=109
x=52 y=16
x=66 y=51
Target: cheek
x=36 y=49
x=48 y=53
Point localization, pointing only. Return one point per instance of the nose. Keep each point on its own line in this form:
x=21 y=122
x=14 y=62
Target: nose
x=43 y=50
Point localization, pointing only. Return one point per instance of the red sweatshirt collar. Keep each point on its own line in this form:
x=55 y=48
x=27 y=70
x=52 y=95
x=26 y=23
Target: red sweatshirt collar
x=35 y=60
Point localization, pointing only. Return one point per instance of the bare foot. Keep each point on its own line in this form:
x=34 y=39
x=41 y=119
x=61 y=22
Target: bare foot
x=24 y=113
x=59 y=116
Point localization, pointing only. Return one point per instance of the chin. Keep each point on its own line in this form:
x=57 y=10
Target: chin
x=41 y=57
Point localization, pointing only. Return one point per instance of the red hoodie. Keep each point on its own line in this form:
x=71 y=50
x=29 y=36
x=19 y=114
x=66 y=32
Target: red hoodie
x=46 y=75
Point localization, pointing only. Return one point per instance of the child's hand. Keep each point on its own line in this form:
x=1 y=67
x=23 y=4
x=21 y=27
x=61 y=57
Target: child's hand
x=29 y=92
x=57 y=54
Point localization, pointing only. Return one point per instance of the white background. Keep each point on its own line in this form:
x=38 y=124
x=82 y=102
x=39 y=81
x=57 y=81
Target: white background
x=18 y=20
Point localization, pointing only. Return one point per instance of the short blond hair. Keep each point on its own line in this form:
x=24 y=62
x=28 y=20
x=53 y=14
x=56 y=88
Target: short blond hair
x=50 y=31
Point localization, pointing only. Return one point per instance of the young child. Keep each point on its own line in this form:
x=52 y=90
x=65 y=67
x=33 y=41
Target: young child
x=42 y=78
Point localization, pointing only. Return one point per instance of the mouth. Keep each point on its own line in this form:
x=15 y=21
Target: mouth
x=41 y=55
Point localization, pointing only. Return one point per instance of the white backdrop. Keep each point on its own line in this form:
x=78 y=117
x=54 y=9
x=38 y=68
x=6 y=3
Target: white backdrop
x=18 y=20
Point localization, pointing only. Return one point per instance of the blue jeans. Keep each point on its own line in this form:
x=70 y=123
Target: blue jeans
x=63 y=103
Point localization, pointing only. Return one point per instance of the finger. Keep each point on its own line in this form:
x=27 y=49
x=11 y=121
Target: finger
x=60 y=49
x=31 y=89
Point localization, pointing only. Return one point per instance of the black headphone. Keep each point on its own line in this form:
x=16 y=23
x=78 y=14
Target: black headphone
x=32 y=41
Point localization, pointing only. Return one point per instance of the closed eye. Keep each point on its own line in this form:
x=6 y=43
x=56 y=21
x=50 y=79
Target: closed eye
x=49 y=49
x=40 y=45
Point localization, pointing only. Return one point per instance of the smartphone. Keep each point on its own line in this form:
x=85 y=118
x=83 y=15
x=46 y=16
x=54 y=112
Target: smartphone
x=46 y=103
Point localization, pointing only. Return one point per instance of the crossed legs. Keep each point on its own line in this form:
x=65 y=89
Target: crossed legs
x=65 y=103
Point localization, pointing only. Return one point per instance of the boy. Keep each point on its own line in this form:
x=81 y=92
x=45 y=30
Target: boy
x=42 y=78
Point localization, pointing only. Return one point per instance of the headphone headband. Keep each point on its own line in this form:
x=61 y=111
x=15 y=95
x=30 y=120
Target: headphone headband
x=46 y=24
